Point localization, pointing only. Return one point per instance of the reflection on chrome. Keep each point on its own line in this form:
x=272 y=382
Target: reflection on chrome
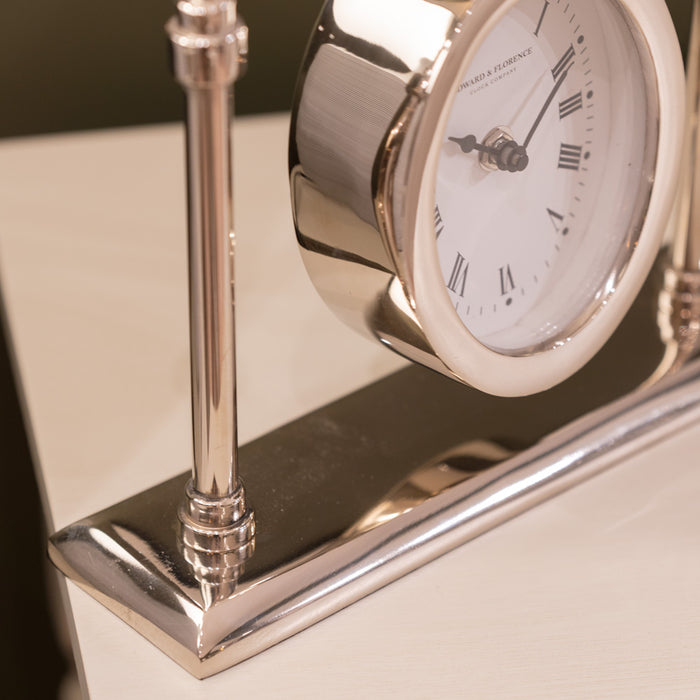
x=678 y=319
x=447 y=470
x=217 y=573
x=679 y=297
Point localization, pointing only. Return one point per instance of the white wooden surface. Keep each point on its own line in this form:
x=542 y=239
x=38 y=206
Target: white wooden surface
x=595 y=594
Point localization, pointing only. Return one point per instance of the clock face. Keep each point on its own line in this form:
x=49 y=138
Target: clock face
x=545 y=172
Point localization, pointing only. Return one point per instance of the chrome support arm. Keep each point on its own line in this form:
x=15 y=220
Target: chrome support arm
x=686 y=249
x=209 y=47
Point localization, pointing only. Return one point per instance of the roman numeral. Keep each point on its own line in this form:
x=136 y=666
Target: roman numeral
x=439 y=225
x=555 y=218
x=458 y=278
x=507 y=283
x=544 y=12
x=571 y=105
x=570 y=157
x=565 y=62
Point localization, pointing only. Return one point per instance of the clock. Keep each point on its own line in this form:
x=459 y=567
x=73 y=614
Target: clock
x=483 y=186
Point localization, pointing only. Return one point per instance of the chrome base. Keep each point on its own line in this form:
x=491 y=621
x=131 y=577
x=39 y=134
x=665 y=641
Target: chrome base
x=364 y=490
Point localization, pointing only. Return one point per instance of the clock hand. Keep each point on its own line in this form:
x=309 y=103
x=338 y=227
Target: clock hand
x=469 y=144
x=526 y=100
x=545 y=107
x=506 y=154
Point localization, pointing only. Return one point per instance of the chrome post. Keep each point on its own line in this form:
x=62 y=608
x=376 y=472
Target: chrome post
x=679 y=299
x=686 y=251
x=209 y=45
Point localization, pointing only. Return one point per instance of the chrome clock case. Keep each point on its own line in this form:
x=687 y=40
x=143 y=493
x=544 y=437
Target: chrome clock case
x=364 y=490
x=368 y=119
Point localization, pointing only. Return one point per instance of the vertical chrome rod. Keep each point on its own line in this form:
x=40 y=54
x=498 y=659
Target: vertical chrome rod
x=692 y=261
x=686 y=247
x=679 y=299
x=209 y=47
x=206 y=62
x=211 y=315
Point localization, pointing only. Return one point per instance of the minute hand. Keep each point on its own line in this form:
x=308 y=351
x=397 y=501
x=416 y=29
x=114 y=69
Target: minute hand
x=545 y=107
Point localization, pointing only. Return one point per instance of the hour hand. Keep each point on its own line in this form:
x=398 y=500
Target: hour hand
x=504 y=153
x=470 y=143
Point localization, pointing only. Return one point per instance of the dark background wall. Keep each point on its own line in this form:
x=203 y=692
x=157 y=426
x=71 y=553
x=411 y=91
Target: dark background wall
x=86 y=64
x=83 y=64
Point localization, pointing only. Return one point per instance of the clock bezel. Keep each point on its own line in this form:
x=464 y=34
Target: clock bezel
x=412 y=233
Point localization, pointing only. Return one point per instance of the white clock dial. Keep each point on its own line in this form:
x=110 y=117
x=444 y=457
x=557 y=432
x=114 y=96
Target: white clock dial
x=544 y=172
